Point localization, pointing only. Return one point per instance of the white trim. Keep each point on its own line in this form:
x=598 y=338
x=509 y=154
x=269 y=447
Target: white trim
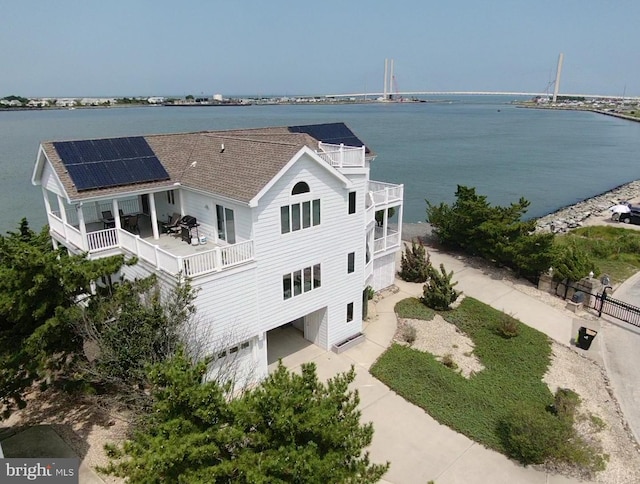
x=38 y=170
x=304 y=150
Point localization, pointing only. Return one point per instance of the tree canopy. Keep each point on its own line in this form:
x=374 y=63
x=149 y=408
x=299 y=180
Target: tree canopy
x=495 y=233
x=38 y=286
x=291 y=428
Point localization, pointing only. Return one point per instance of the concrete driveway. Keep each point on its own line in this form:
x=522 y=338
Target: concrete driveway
x=419 y=448
x=620 y=348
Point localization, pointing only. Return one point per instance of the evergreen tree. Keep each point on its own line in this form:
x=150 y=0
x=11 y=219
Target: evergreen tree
x=439 y=293
x=39 y=290
x=415 y=263
x=291 y=428
x=498 y=234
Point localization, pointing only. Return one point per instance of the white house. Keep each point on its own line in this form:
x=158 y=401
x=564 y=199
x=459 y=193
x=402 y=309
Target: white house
x=290 y=229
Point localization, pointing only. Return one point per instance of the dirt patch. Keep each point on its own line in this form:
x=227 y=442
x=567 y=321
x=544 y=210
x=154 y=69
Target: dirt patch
x=83 y=423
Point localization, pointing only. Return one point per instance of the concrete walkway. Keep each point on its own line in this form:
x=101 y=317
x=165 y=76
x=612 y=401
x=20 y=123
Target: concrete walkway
x=418 y=447
x=620 y=348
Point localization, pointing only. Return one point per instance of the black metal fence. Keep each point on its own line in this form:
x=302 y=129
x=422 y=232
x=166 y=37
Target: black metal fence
x=618 y=309
x=605 y=304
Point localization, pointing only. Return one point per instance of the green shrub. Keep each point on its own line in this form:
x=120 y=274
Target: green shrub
x=370 y=293
x=531 y=435
x=415 y=263
x=566 y=403
x=438 y=292
x=508 y=327
x=408 y=334
x=447 y=360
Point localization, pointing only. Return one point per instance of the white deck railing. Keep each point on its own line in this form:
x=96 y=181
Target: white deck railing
x=384 y=193
x=341 y=156
x=214 y=260
x=391 y=241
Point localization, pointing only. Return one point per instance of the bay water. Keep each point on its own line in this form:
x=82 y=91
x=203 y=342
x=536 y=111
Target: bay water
x=551 y=158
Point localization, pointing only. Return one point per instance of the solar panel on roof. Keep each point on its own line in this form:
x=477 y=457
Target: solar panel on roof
x=111 y=162
x=334 y=133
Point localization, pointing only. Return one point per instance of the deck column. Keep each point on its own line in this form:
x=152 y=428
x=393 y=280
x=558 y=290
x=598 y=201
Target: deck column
x=116 y=214
x=154 y=216
x=63 y=215
x=385 y=221
x=82 y=226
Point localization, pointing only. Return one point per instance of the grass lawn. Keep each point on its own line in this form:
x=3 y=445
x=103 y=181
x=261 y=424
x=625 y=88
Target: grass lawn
x=616 y=250
x=476 y=406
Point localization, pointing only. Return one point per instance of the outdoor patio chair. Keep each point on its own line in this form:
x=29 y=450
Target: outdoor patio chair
x=131 y=224
x=107 y=219
x=173 y=227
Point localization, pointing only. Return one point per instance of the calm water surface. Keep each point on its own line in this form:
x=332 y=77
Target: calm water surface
x=552 y=158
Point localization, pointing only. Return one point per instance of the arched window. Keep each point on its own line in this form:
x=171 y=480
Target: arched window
x=300 y=187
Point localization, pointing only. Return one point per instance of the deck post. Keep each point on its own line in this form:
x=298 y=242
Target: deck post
x=82 y=226
x=63 y=215
x=154 y=216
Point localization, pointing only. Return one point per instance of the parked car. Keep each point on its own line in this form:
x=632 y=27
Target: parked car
x=632 y=217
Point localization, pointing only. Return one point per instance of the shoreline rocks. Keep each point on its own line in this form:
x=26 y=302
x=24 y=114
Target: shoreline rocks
x=576 y=215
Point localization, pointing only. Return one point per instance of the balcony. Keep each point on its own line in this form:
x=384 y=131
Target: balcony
x=341 y=156
x=382 y=243
x=168 y=253
x=383 y=194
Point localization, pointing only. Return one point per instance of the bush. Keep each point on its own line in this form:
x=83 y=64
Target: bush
x=438 y=292
x=508 y=327
x=447 y=360
x=566 y=403
x=408 y=334
x=370 y=293
x=531 y=435
x=415 y=263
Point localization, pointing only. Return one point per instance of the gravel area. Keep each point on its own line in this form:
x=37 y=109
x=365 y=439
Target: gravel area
x=441 y=338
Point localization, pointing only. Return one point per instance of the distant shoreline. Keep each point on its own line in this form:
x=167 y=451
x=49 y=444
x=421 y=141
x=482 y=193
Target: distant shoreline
x=577 y=108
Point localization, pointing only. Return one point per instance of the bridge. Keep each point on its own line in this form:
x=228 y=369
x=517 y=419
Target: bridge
x=476 y=93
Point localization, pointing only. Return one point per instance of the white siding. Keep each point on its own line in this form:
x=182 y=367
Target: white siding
x=203 y=208
x=384 y=271
x=227 y=308
x=327 y=244
x=49 y=180
x=164 y=209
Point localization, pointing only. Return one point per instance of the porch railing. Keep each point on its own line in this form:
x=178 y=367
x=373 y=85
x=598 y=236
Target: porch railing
x=342 y=156
x=93 y=211
x=214 y=260
x=391 y=241
x=385 y=192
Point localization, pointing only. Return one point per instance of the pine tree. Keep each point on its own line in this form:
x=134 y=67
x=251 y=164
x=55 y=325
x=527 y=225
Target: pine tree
x=438 y=292
x=291 y=428
x=415 y=263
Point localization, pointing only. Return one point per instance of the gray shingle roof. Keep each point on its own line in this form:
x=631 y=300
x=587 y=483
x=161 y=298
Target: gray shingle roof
x=251 y=158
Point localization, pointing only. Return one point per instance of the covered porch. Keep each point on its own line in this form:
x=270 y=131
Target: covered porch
x=91 y=228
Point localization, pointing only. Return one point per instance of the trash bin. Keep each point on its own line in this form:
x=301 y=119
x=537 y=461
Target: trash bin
x=585 y=337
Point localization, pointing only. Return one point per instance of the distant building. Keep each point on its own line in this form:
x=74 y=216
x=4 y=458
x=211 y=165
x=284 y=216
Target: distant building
x=156 y=100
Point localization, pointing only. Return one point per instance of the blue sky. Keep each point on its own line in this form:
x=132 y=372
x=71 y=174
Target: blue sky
x=257 y=47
